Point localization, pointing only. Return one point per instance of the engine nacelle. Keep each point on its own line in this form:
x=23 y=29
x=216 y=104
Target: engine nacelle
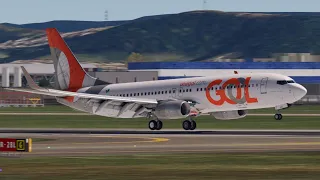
x=228 y=115
x=172 y=110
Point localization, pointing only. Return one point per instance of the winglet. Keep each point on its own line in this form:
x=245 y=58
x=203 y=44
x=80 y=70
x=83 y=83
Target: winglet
x=30 y=81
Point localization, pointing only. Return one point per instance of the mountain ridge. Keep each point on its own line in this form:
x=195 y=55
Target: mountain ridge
x=193 y=36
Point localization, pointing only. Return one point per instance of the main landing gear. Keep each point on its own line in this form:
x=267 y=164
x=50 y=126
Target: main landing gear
x=155 y=125
x=189 y=124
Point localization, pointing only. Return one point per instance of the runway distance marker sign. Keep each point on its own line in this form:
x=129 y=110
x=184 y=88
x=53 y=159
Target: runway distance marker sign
x=15 y=145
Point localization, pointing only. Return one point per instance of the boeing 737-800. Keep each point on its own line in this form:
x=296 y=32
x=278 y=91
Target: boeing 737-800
x=224 y=97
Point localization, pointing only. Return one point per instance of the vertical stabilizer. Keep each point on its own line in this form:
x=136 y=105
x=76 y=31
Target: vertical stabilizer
x=69 y=75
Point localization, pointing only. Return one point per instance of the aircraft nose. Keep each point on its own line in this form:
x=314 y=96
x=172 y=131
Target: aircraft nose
x=299 y=91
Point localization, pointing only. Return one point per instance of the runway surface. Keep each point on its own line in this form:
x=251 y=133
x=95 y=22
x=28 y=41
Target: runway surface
x=83 y=144
x=161 y=132
x=87 y=114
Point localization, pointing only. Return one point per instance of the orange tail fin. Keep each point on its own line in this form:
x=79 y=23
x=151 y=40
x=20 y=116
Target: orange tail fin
x=69 y=74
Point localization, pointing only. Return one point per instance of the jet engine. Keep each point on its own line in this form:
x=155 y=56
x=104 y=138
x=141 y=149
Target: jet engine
x=228 y=115
x=172 y=109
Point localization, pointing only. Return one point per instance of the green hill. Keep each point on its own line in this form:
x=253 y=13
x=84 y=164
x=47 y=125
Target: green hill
x=13 y=33
x=194 y=36
x=67 y=26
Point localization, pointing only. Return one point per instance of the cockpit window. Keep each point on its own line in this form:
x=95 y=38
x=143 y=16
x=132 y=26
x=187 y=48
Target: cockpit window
x=282 y=82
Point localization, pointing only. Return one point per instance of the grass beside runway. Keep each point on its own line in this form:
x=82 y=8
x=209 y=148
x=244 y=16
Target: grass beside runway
x=45 y=109
x=204 y=166
x=203 y=122
x=297 y=109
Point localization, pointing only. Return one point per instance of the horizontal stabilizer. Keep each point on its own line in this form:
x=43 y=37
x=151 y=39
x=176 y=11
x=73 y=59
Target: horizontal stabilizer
x=35 y=89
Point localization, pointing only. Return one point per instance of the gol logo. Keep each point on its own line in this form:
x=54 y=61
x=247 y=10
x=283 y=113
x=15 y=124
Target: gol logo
x=238 y=82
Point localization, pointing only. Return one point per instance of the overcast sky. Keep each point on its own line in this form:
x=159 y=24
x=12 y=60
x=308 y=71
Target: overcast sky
x=31 y=11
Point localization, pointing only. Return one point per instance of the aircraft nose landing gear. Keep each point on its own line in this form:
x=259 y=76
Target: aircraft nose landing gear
x=278 y=116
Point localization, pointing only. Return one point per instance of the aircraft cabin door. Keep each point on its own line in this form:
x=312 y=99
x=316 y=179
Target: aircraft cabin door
x=181 y=91
x=174 y=93
x=263 y=85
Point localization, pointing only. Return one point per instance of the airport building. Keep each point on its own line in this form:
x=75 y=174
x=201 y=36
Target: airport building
x=43 y=74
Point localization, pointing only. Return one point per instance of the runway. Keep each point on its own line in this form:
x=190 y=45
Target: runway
x=87 y=114
x=161 y=132
x=58 y=144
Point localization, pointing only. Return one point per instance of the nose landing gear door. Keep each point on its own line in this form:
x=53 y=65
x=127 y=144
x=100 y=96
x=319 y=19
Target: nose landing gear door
x=263 y=85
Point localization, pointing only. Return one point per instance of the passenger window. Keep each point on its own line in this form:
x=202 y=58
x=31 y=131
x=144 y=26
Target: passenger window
x=170 y=92
x=190 y=90
x=174 y=91
x=166 y=92
x=187 y=90
x=200 y=89
x=197 y=89
x=159 y=92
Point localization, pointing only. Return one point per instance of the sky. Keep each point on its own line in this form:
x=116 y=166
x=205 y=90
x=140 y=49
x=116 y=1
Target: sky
x=33 y=11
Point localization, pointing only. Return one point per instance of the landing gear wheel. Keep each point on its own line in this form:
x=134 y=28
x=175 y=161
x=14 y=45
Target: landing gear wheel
x=193 y=125
x=159 y=125
x=186 y=125
x=278 y=116
x=152 y=124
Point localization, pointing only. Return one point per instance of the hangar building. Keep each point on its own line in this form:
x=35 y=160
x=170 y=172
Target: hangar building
x=43 y=74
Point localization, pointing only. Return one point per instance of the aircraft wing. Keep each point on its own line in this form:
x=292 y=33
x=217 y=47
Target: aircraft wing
x=35 y=89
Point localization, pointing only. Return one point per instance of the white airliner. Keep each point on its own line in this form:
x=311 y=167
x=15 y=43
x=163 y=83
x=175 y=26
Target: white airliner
x=224 y=97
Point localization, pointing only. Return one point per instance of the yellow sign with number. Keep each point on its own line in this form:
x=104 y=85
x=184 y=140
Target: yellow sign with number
x=21 y=145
